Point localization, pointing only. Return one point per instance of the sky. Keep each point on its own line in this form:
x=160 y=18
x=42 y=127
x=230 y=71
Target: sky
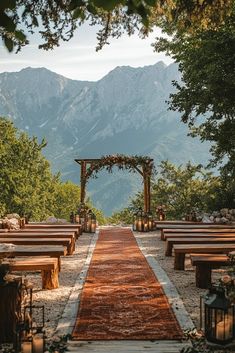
x=77 y=59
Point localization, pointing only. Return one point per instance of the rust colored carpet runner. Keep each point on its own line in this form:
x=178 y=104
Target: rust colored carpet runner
x=122 y=298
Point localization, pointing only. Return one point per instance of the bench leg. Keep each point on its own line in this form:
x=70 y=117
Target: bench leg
x=179 y=261
x=169 y=248
x=70 y=249
x=203 y=276
x=50 y=279
x=162 y=234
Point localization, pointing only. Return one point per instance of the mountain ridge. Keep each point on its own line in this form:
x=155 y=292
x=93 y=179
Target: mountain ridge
x=123 y=112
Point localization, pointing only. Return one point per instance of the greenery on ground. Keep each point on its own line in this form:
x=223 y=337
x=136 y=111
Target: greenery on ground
x=180 y=189
x=200 y=345
x=27 y=185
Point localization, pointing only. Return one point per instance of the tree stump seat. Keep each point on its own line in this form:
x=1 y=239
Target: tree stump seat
x=49 y=268
x=204 y=264
x=182 y=249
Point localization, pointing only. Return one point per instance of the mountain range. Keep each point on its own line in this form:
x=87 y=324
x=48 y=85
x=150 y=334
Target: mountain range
x=124 y=112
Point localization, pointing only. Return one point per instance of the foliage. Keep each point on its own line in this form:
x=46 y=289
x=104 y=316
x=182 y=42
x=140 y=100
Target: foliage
x=67 y=199
x=200 y=345
x=57 y=19
x=26 y=182
x=227 y=282
x=206 y=96
x=123 y=216
x=130 y=163
x=58 y=344
x=27 y=185
x=181 y=188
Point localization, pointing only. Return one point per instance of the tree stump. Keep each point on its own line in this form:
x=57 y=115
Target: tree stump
x=10 y=309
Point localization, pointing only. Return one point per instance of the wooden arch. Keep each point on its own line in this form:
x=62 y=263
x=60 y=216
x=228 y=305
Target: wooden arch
x=143 y=165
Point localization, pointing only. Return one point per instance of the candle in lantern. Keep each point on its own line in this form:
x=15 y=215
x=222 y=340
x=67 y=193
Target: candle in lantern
x=145 y=227
x=93 y=227
x=26 y=347
x=224 y=329
x=38 y=344
x=139 y=226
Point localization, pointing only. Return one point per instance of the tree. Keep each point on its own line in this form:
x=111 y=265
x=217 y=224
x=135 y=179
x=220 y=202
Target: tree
x=27 y=185
x=206 y=96
x=123 y=216
x=67 y=199
x=179 y=189
x=57 y=20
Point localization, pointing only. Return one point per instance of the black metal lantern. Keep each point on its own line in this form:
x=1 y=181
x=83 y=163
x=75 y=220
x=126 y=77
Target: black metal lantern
x=150 y=221
x=218 y=317
x=139 y=220
x=33 y=336
x=72 y=217
x=145 y=225
x=80 y=216
x=90 y=225
x=135 y=222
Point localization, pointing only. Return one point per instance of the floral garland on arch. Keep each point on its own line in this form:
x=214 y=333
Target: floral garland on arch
x=121 y=161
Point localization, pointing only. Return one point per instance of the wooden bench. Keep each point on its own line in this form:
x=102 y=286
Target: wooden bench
x=44 y=235
x=75 y=227
x=48 y=241
x=35 y=250
x=170 y=242
x=48 y=231
x=49 y=268
x=191 y=232
x=181 y=250
x=198 y=235
x=200 y=226
x=204 y=264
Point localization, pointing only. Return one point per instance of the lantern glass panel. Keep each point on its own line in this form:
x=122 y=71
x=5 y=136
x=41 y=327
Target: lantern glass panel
x=135 y=222
x=219 y=319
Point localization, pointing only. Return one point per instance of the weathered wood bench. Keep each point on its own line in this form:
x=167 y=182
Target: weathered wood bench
x=204 y=264
x=75 y=227
x=48 y=231
x=44 y=235
x=49 y=268
x=199 y=235
x=167 y=232
x=170 y=242
x=200 y=226
x=48 y=241
x=181 y=250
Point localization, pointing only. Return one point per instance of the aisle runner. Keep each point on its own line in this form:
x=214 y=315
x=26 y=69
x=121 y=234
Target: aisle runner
x=121 y=298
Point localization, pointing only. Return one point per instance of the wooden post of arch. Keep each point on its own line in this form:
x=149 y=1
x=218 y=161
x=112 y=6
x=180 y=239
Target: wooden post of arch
x=146 y=178
x=83 y=181
x=145 y=173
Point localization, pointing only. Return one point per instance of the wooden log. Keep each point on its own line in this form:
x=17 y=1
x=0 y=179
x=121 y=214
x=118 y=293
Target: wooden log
x=10 y=308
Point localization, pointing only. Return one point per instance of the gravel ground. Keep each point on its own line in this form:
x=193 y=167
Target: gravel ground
x=184 y=281
x=55 y=300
